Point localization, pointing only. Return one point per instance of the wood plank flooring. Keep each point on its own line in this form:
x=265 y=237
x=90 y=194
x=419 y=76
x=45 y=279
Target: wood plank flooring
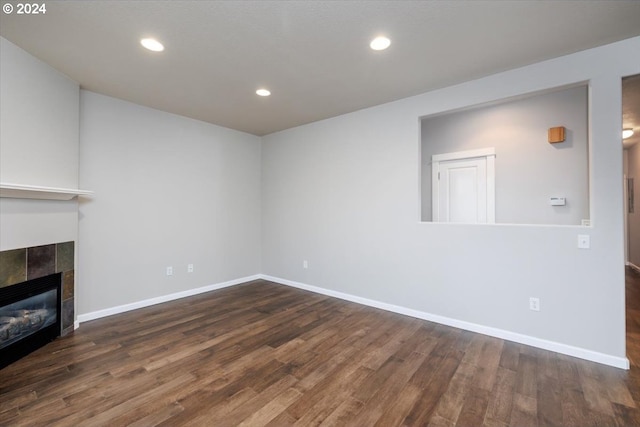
x=265 y=354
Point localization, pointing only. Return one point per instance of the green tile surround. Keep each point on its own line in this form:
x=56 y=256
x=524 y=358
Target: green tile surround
x=64 y=257
x=13 y=267
x=18 y=265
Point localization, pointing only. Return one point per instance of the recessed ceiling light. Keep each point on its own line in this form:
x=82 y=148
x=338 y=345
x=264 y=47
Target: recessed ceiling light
x=380 y=43
x=626 y=133
x=263 y=92
x=152 y=44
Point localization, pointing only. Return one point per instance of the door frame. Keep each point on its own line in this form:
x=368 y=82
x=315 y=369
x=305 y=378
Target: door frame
x=489 y=154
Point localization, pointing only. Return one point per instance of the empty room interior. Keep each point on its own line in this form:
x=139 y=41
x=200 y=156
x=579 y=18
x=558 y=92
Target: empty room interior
x=320 y=213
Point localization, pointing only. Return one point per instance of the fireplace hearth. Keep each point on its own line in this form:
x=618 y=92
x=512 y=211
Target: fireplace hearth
x=30 y=316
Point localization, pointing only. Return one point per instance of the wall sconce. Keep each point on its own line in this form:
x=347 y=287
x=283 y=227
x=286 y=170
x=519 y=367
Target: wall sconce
x=556 y=135
x=626 y=133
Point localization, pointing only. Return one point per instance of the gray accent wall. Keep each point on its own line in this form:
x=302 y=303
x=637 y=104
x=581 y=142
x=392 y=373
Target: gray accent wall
x=344 y=194
x=169 y=191
x=529 y=170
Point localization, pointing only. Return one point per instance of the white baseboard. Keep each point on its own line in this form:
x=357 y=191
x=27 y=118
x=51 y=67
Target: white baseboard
x=618 y=362
x=158 y=300
x=76 y=324
x=632 y=265
x=605 y=359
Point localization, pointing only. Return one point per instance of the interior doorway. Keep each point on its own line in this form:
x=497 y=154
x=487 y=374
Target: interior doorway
x=464 y=186
x=631 y=186
x=631 y=162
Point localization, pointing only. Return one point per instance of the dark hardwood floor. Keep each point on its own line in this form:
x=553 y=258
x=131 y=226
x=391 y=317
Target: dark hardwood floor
x=265 y=354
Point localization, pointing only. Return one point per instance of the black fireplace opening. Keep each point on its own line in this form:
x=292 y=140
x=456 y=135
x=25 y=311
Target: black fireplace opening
x=30 y=316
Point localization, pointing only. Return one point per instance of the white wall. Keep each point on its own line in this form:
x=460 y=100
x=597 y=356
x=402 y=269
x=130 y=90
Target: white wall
x=344 y=194
x=633 y=237
x=169 y=191
x=529 y=170
x=38 y=146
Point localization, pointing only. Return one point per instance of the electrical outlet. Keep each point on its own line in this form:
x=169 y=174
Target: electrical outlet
x=534 y=304
x=169 y=271
x=305 y=264
x=190 y=268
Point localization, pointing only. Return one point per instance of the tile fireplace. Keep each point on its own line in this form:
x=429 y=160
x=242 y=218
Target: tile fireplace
x=36 y=297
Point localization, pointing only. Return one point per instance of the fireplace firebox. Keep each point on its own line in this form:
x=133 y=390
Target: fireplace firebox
x=30 y=316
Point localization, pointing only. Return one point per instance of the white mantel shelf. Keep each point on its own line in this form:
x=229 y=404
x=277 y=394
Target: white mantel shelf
x=19 y=191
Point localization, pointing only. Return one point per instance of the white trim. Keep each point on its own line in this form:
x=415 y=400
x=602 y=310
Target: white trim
x=594 y=356
x=158 y=300
x=618 y=362
x=22 y=191
x=632 y=265
x=468 y=154
x=491 y=189
x=76 y=324
x=435 y=190
x=510 y=224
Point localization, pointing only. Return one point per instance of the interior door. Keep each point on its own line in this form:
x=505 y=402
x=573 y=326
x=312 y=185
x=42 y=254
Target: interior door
x=464 y=187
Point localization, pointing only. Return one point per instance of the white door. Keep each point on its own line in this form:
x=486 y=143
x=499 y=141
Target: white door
x=464 y=187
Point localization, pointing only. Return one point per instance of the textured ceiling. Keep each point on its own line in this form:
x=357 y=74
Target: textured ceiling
x=312 y=55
